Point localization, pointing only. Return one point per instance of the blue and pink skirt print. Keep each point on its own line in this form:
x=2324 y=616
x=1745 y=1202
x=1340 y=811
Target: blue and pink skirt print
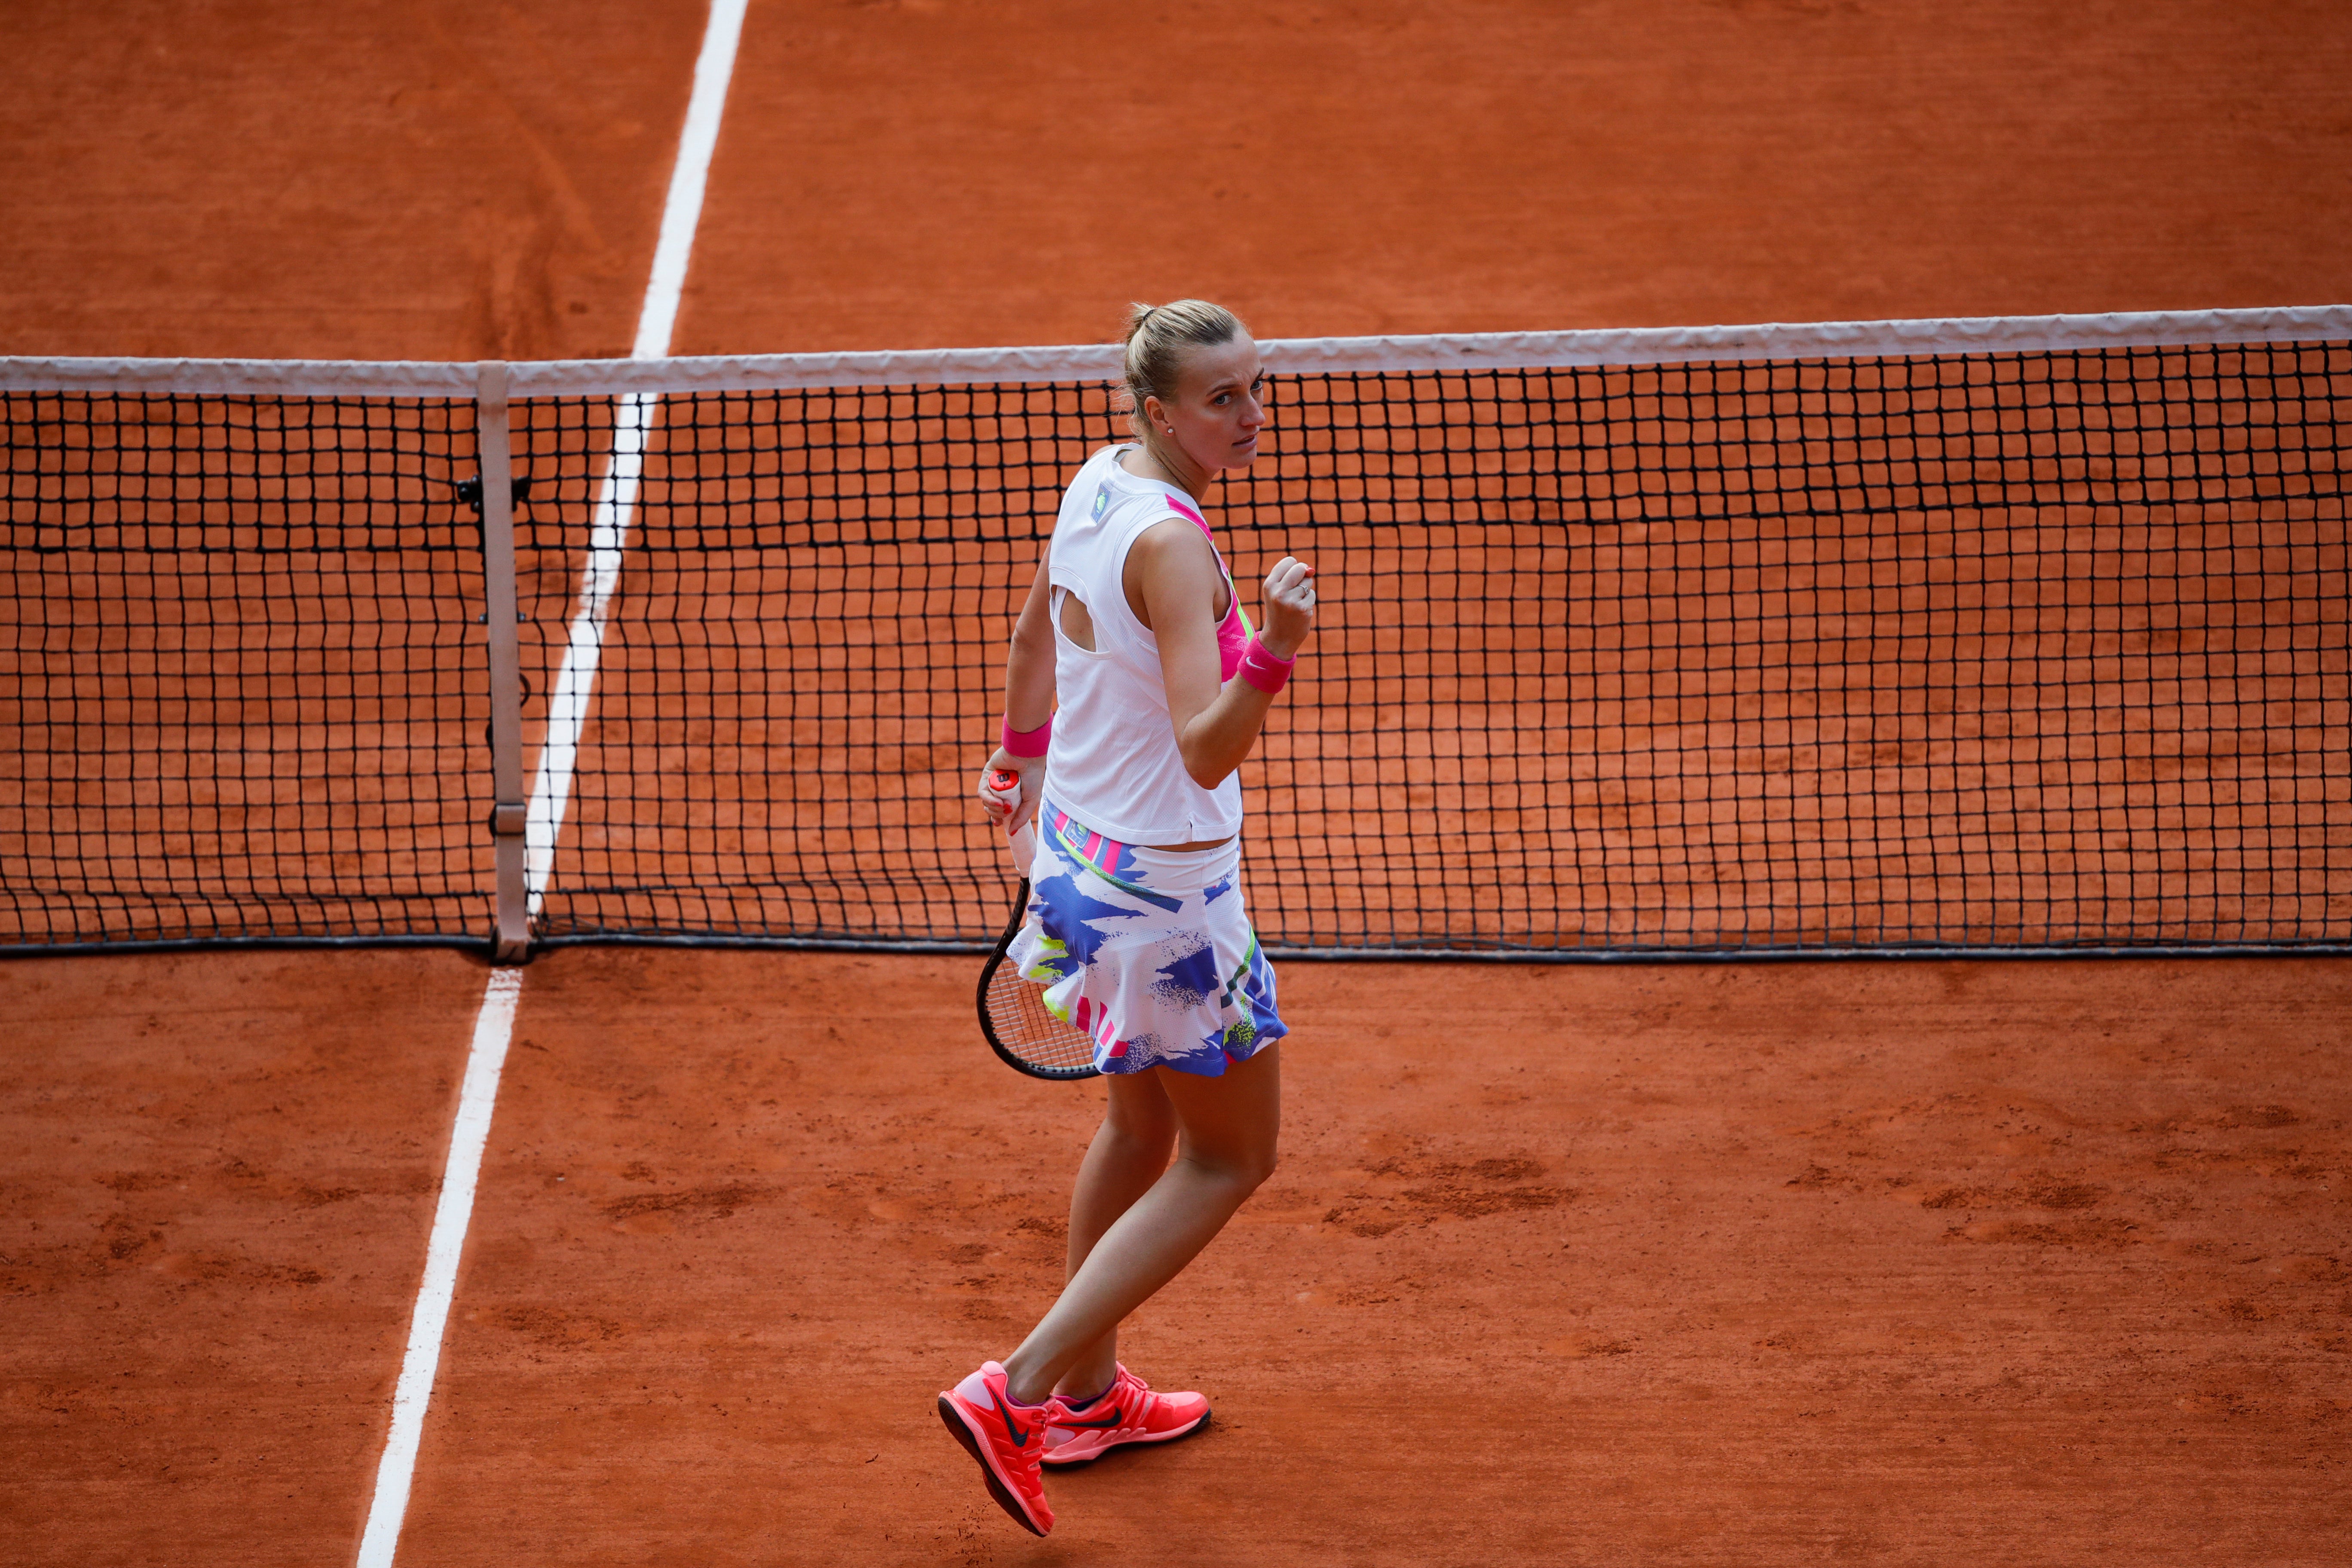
x=1148 y=951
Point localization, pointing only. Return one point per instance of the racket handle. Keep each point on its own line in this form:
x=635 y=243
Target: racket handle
x=1022 y=845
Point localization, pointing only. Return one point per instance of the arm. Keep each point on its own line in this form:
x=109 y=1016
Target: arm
x=1173 y=581
x=1028 y=699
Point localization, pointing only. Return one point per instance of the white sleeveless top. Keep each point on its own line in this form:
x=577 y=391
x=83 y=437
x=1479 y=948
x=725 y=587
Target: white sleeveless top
x=1114 y=763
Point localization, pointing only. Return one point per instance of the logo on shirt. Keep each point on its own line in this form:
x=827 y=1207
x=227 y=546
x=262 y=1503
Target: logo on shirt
x=1102 y=500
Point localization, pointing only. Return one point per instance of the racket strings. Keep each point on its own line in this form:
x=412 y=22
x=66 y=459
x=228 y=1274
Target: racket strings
x=1014 y=1017
x=1016 y=1011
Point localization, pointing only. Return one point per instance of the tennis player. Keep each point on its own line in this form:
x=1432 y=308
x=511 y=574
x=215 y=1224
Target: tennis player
x=1136 y=926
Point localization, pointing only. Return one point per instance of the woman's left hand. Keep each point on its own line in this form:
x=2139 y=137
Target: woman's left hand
x=1288 y=607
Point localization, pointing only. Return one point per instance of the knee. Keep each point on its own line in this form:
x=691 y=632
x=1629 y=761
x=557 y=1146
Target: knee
x=1246 y=1168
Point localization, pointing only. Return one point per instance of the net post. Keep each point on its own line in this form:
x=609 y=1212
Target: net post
x=494 y=434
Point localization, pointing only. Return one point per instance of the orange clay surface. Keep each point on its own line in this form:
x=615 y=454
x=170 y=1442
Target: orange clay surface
x=1890 y=1263
x=1995 y=1263
x=219 y=1174
x=432 y=179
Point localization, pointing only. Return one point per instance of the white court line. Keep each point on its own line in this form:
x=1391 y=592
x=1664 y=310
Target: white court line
x=616 y=500
x=633 y=420
x=682 y=209
x=493 y=1027
x=575 y=682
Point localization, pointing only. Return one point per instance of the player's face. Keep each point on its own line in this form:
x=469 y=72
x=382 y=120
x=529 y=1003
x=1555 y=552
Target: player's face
x=1220 y=404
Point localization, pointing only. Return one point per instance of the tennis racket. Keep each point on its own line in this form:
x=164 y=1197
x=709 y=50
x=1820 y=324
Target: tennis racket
x=1013 y=1010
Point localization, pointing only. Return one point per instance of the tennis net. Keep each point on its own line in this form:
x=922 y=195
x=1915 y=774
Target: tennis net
x=2006 y=635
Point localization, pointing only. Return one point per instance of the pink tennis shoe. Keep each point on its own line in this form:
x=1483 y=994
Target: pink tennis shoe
x=1128 y=1411
x=1008 y=1439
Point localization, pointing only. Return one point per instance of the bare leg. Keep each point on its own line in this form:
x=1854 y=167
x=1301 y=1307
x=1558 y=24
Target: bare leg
x=1227 y=1129
x=1128 y=1155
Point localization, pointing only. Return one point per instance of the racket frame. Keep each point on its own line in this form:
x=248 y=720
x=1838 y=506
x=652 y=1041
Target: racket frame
x=1022 y=846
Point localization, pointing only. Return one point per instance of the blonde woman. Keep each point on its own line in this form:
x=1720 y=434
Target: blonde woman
x=1136 y=925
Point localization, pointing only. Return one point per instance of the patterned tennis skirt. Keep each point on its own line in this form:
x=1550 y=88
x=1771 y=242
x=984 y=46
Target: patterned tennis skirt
x=1148 y=951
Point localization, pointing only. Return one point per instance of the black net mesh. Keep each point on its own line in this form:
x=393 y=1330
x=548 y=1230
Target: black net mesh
x=2024 y=650
x=241 y=679
x=798 y=663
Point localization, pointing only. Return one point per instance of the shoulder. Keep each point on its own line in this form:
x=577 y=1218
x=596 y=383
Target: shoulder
x=1172 y=544
x=1089 y=498
x=1096 y=471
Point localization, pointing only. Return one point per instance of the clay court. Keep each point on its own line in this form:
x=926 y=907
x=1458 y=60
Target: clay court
x=1928 y=1260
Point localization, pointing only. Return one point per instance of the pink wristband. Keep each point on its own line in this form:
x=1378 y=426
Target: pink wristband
x=1263 y=670
x=1026 y=742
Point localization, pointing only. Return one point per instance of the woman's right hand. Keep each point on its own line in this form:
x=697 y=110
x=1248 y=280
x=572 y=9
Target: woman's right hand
x=1287 y=608
x=1031 y=770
